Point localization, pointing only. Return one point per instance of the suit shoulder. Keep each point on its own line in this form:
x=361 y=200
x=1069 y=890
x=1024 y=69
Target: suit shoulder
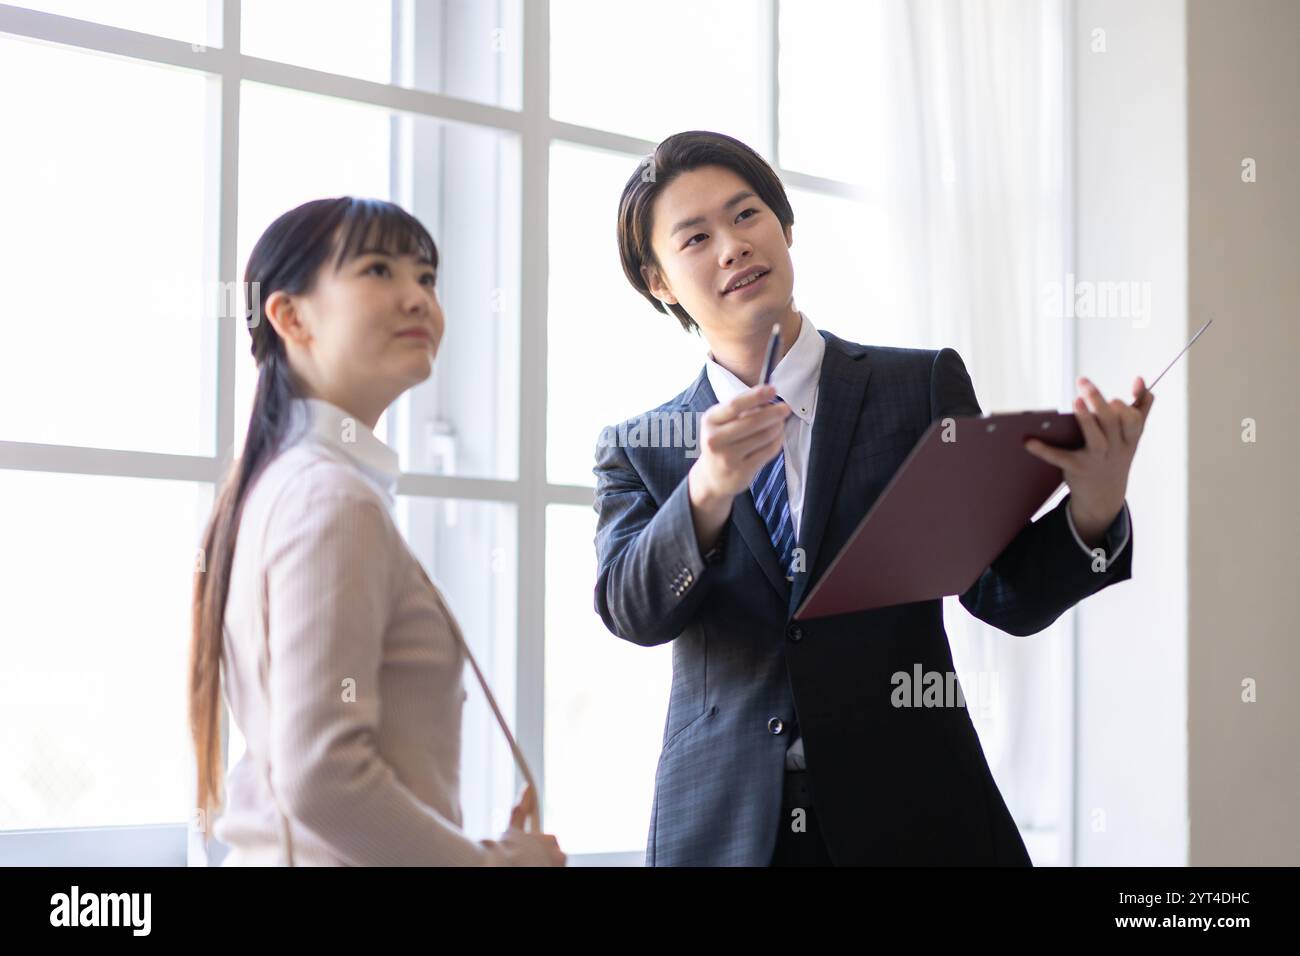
x=887 y=356
x=896 y=355
x=916 y=363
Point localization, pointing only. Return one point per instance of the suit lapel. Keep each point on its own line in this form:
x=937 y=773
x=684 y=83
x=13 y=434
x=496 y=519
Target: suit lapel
x=744 y=515
x=840 y=391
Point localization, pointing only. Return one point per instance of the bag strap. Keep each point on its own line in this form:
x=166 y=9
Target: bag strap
x=535 y=814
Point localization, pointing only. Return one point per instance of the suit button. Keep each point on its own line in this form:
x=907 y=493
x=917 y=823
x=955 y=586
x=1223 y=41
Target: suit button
x=794 y=632
x=775 y=725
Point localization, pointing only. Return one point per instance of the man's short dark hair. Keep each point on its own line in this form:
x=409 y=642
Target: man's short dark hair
x=681 y=153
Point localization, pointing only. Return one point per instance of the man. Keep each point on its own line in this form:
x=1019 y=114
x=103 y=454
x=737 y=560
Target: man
x=782 y=744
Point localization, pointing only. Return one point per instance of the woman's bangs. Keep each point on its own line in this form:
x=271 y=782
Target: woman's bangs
x=373 y=226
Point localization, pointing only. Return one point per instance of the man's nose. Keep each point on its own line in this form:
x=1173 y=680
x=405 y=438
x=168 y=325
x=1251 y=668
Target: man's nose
x=733 y=251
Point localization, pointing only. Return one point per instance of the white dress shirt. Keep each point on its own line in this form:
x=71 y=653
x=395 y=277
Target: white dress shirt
x=796 y=378
x=341 y=666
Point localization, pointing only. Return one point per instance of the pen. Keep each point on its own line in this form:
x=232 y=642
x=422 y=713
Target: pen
x=770 y=362
x=1152 y=386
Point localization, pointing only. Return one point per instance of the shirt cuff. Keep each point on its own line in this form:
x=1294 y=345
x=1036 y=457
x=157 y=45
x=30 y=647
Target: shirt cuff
x=1119 y=528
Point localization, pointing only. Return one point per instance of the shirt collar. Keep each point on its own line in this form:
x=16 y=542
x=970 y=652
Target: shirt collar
x=795 y=376
x=343 y=434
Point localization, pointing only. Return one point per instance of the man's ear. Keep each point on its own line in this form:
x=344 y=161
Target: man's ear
x=658 y=288
x=282 y=312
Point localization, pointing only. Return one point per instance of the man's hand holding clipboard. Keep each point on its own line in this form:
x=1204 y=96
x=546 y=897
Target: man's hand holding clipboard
x=1098 y=472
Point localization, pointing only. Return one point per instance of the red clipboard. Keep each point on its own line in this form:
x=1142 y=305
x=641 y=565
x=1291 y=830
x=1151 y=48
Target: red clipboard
x=963 y=493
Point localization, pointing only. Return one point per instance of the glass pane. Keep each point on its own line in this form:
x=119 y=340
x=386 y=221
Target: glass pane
x=468 y=549
x=94 y=643
x=595 y=314
x=840 y=47
x=103 y=248
x=851 y=276
x=606 y=701
x=464 y=188
x=469 y=49
x=194 y=21
x=650 y=70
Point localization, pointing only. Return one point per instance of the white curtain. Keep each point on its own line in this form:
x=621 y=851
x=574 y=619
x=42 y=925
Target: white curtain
x=980 y=124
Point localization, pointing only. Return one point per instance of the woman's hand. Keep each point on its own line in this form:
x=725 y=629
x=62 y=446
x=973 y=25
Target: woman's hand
x=522 y=846
x=521 y=816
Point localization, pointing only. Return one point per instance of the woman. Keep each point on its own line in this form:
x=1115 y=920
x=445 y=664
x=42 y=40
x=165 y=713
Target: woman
x=343 y=664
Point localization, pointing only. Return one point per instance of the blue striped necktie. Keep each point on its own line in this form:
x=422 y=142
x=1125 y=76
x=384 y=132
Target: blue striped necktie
x=773 y=506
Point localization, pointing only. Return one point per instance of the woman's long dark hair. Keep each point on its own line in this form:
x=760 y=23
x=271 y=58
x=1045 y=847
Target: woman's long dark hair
x=288 y=257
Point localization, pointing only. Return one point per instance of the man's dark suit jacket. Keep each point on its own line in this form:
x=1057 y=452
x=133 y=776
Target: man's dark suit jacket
x=892 y=785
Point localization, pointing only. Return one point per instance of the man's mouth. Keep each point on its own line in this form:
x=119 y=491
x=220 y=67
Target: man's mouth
x=745 y=280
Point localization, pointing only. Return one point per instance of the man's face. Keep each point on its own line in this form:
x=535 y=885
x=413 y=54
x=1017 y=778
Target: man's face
x=709 y=230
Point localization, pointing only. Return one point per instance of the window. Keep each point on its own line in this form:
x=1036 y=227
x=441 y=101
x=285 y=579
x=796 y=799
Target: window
x=104 y=259
x=509 y=129
x=97 y=574
x=649 y=70
x=396 y=42
x=194 y=21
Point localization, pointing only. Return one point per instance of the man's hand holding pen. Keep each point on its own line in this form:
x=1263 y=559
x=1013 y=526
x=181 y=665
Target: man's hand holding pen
x=737 y=438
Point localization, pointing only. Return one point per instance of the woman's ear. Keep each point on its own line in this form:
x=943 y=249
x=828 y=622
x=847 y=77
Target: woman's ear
x=282 y=312
x=789 y=235
x=658 y=288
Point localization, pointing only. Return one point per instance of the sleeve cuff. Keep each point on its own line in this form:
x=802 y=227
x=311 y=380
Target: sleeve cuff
x=1119 y=529
x=685 y=562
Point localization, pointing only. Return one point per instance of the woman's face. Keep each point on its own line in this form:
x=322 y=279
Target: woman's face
x=368 y=331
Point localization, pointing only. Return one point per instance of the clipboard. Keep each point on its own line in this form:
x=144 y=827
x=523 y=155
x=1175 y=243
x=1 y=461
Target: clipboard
x=961 y=495
x=959 y=498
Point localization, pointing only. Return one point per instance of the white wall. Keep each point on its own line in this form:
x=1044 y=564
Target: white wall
x=1131 y=225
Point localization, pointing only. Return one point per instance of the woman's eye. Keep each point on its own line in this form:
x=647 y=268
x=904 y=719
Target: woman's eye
x=698 y=235
x=430 y=278
x=377 y=265
x=754 y=211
